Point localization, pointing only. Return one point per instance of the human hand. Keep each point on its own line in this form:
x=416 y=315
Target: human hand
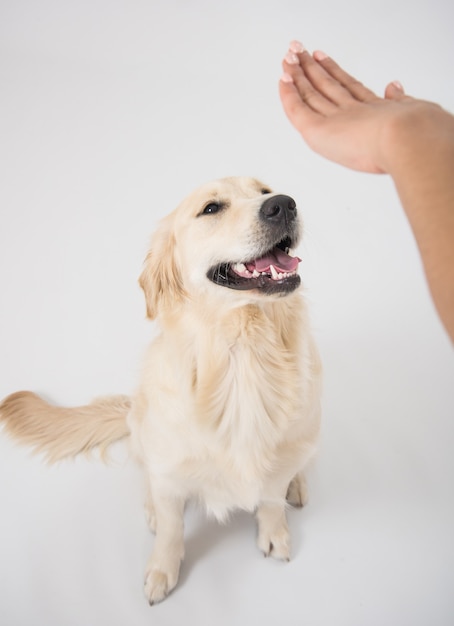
x=337 y=116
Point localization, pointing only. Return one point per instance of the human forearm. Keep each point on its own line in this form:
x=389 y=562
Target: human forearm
x=419 y=149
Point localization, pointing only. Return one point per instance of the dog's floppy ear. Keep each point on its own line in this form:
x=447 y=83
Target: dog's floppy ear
x=161 y=278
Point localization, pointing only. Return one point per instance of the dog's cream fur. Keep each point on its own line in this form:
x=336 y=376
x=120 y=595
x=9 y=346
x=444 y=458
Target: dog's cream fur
x=227 y=410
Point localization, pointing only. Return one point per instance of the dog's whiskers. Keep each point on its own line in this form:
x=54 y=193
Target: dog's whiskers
x=222 y=273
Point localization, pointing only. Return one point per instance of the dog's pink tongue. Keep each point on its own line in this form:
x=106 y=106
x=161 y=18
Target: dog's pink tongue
x=282 y=261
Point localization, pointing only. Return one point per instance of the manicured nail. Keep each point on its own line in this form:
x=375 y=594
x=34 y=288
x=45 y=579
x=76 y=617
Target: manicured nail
x=398 y=85
x=291 y=58
x=296 y=46
x=319 y=55
x=286 y=78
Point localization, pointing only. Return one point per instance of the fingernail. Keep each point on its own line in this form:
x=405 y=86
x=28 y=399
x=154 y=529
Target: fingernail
x=296 y=46
x=286 y=78
x=291 y=58
x=319 y=55
x=398 y=85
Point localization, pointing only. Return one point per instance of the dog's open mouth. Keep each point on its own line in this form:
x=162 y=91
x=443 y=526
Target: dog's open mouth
x=273 y=273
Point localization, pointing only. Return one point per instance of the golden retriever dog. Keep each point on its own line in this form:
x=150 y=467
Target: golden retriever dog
x=227 y=410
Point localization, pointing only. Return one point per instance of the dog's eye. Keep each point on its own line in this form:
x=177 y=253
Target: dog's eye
x=264 y=191
x=213 y=207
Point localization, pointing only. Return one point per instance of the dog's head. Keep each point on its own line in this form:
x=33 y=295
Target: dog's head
x=231 y=238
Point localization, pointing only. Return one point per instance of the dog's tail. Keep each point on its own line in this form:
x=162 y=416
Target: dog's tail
x=65 y=432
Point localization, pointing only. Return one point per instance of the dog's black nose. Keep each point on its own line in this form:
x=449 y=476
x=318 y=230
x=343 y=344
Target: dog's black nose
x=278 y=209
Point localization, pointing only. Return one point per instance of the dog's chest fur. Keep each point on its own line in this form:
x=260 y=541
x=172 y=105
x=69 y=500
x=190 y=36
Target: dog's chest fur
x=246 y=379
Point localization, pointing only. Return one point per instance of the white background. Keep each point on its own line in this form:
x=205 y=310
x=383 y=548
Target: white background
x=111 y=112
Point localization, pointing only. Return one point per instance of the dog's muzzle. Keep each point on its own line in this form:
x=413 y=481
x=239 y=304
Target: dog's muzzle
x=274 y=270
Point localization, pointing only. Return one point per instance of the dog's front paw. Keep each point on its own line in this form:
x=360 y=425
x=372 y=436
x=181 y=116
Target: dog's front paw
x=158 y=585
x=273 y=535
x=275 y=544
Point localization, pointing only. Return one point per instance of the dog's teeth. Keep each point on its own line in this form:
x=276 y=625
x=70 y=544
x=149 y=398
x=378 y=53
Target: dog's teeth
x=274 y=273
x=255 y=274
x=241 y=270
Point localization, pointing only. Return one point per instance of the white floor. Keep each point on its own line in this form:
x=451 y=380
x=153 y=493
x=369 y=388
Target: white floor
x=110 y=114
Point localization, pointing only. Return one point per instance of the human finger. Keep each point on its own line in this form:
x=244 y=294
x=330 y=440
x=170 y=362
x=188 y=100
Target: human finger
x=309 y=93
x=394 y=91
x=298 y=111
x=323 y=81
x=350 y=84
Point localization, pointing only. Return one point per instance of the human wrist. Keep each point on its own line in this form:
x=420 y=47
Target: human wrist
x=415 y=130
